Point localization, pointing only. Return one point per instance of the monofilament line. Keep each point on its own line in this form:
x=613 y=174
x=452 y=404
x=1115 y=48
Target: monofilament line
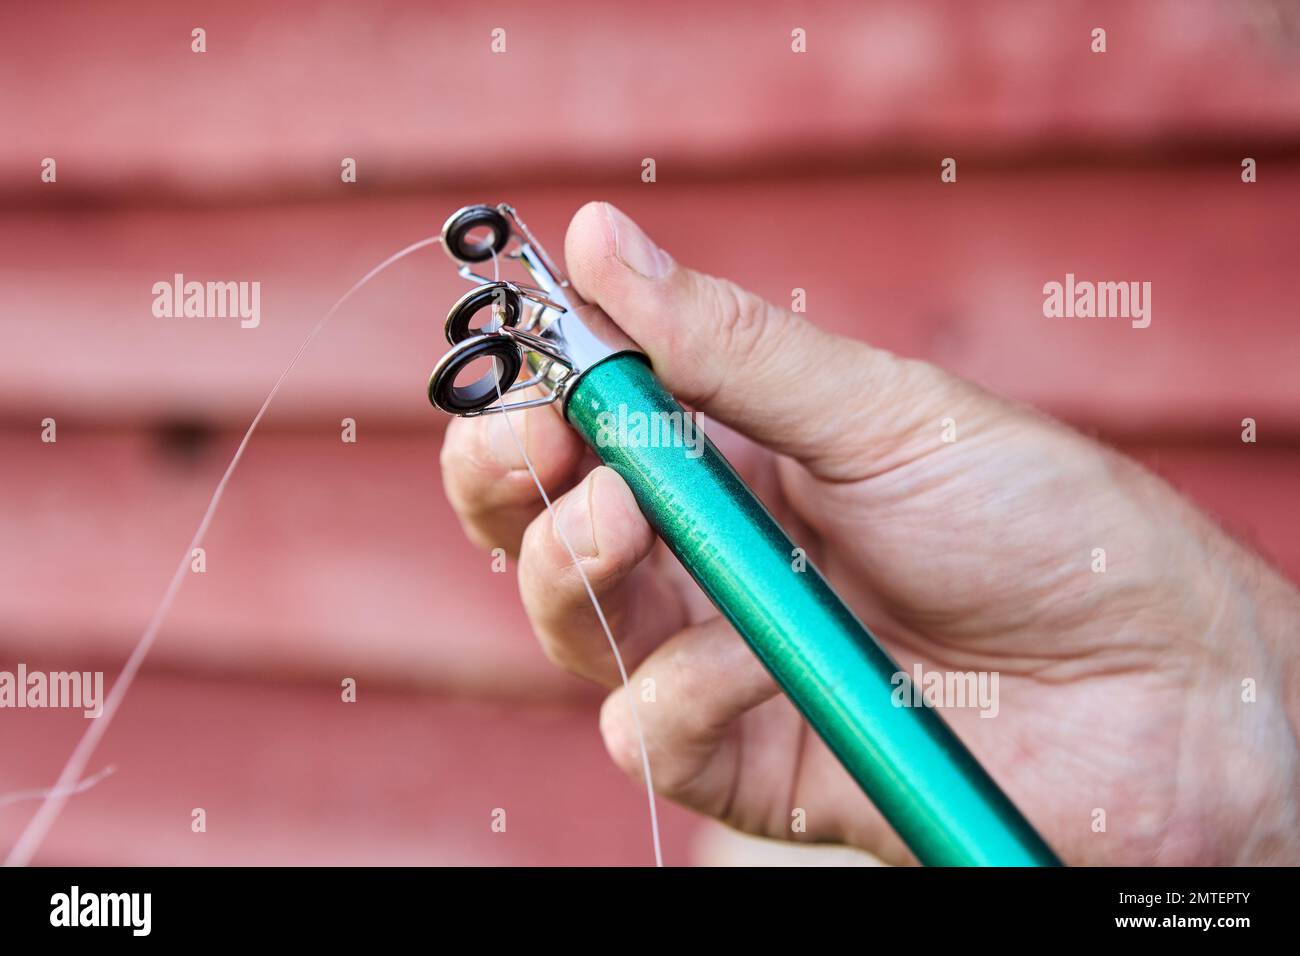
x=29 y=841
x=595 y=603
x=20 y=795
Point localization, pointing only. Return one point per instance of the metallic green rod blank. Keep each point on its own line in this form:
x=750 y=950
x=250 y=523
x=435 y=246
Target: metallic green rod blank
x=938 y=798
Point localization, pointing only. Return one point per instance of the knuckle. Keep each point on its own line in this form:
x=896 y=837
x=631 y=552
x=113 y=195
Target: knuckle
x=557 y=651
x=742 y=317
x=619 y=735
x=547 y=605
x=746 y=327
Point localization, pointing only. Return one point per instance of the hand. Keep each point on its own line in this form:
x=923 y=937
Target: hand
x=1119 y=691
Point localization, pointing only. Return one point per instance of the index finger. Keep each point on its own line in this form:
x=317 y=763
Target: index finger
x=485 y=474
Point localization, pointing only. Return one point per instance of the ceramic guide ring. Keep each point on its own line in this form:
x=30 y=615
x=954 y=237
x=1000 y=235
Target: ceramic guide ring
x=469 y=305
x=456 y=230
x=464 y=399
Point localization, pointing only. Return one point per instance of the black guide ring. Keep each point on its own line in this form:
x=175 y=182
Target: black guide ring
x=460 y=399
x=462 y=223
x=474 y=301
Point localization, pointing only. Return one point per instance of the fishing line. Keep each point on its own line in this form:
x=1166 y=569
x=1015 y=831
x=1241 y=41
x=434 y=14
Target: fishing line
x=19 y=795
x=600 y=613
x=29 y=841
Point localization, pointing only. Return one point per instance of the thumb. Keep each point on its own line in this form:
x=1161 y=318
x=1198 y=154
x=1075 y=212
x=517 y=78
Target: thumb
x=837 y=405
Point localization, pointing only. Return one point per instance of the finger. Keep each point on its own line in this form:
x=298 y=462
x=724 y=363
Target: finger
x=723 y=741
x=837 y=405
x=603 y=525
x=487 y=480
x=704 y=679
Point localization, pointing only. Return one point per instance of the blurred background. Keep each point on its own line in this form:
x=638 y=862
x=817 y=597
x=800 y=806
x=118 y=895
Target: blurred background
x=780 y=170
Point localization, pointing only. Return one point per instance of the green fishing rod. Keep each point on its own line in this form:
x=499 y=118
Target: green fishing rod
x=934 y=793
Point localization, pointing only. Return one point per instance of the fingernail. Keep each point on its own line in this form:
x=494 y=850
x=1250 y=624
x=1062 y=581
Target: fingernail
x=573 y=520
x=634 y=247
x=505 y=448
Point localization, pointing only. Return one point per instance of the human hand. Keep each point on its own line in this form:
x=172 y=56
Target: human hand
x=1119 y=691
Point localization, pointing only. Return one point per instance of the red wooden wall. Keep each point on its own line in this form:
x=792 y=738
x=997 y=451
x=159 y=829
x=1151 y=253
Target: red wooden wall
x=818 y=171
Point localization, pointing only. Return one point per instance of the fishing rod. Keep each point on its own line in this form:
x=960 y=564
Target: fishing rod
x=541 y=335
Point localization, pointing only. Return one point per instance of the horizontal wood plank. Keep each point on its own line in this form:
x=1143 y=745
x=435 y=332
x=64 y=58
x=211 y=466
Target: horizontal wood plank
x=954 y=273
x=415 y=94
